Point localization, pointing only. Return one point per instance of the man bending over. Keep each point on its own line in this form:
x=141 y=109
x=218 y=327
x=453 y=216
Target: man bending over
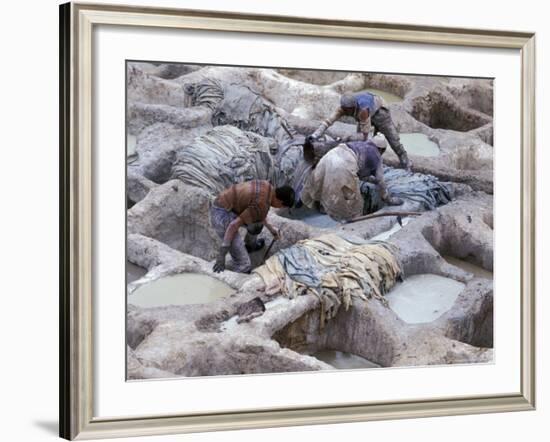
x=245 y=204
x=365 y=108
x=337 y=181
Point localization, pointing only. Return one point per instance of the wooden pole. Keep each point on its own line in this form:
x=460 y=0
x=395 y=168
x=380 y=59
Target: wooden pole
x=377 y=215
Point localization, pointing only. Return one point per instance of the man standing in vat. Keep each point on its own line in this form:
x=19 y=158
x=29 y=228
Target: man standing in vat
x=366 y=107
x=245 y=204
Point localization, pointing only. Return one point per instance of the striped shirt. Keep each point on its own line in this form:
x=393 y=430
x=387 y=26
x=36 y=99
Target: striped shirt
x=250 y=200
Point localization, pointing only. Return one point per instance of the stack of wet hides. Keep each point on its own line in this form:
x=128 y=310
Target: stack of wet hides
x=246 y=109
x=223 y=157
x=208 y=92
x=334 y=269
x=424 y=189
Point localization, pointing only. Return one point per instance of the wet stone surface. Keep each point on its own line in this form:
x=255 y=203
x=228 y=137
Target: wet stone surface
x=185 y=320
x=134 y=272
x=469 y=267
x=385 y=235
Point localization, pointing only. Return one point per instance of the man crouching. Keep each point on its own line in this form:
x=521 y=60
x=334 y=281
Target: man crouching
x=336 y=182
x=245 y=204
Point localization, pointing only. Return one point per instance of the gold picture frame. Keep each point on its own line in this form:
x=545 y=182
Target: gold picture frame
x=77 y=21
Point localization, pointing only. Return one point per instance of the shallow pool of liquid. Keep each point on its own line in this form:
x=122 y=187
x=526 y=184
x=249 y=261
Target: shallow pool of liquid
x=387 y=96
x=423 y=298
x=182 y=289
x=343 y=360
x=419 y=144
x=311 y=217
x=478 y=271
x=131 y=141
x=134 y=272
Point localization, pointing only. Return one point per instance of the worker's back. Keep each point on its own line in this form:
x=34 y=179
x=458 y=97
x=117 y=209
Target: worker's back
x=251 y=200
x=368 y=157
x=369 y=101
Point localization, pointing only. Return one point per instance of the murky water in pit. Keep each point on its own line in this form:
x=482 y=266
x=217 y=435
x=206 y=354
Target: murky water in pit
x=478 y=271
x=387 y=96
x=419 y=144
x=311 y=217
x=423 y=298
x=182 y=289
x=343 y=360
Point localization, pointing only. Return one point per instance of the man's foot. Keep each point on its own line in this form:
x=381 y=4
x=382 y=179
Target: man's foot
x=255 y=246
x=394 y=201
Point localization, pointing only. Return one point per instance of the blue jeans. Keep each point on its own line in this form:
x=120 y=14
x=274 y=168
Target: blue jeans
x=220 y=219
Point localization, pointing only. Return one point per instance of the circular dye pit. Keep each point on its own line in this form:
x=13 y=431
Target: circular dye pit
x=419 y=144
x=343 y=360
x=387 y=96
x=311 y=217
x=182 y=289
x=423 y=298
x=478 y=271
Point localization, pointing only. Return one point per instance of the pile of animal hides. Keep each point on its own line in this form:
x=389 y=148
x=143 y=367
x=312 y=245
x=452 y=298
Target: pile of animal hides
x=222 y=157
x=333 y=268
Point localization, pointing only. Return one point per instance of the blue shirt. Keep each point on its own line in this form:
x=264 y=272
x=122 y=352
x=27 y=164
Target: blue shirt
x=368 y=157
x=366 y=100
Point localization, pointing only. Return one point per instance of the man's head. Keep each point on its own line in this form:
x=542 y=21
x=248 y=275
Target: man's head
x=284 y=197
x=348 y=103
x=380 y=142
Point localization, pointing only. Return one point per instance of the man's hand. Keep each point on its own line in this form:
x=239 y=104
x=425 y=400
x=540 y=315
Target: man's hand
x=393 y=201
x=219 y=265
x=372 y=179
x=310 y=139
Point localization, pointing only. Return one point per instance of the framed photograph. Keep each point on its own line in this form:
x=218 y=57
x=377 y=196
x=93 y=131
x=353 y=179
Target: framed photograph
x=272 y=220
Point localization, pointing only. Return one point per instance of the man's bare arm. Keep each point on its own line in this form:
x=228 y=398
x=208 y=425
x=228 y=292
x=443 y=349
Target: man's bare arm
x=328 y=122
x=231 y=231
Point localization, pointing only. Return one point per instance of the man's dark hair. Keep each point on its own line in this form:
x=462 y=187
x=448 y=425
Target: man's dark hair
x=348 y=102
x=286 y=195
